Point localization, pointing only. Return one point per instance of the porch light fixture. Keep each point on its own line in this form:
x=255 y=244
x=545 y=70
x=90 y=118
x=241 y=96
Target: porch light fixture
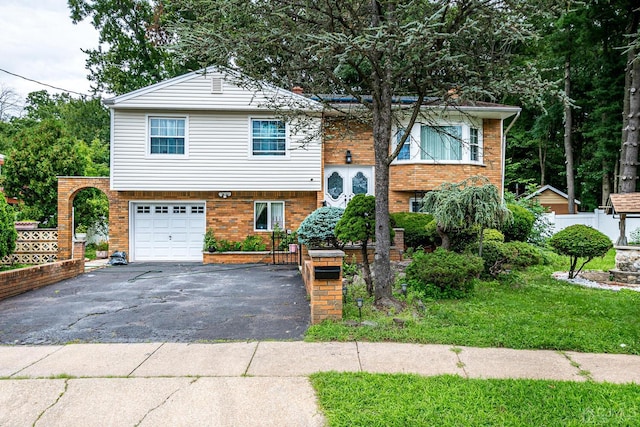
x=359 y=303
x=348 y=157
x=224 y=194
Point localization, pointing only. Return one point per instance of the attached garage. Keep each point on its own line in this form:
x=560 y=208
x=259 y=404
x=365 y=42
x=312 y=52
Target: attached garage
x=166 y=231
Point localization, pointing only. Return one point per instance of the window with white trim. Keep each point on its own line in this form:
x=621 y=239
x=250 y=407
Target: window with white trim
x=441 y=142
x=268 y=215
x=167 y=135
x=405 y=151
x=415 y=204
x=268 y=137
x=444 y=142
x=474 y=145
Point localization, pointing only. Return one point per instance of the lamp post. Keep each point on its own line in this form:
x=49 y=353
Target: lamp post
x=404 y=289
x=344 y=293
x=359 y=302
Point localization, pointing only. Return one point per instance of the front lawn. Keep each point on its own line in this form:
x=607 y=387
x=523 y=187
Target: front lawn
x=530 y=310
x=363 y=399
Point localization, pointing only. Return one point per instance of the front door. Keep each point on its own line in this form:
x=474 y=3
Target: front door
x=341 y=183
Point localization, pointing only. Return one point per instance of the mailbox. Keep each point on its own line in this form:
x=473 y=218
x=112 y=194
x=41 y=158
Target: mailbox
x=326 y=272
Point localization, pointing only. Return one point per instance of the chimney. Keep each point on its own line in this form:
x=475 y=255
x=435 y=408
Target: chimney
x=297 y=90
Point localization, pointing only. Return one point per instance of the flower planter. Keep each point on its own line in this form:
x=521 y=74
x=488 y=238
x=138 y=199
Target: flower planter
x=102 y=254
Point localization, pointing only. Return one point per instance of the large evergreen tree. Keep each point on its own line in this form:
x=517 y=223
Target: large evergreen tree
x=373 y=51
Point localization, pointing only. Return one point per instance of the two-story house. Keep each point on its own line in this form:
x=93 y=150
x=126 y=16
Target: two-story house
x=199 y=151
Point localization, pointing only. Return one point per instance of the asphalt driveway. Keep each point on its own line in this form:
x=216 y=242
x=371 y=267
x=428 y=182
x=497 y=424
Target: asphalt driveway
x=161 y=302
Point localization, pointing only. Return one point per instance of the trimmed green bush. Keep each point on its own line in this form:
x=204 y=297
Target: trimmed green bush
x=253 y=243
x=495 y=254
x=580 y=241
x=415 y=228
x=492 y=235
x=444 y=274
x=526 y=254
x=318 y=229
x=520 y=227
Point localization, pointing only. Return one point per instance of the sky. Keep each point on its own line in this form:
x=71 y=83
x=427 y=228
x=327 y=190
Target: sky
x=38 y=41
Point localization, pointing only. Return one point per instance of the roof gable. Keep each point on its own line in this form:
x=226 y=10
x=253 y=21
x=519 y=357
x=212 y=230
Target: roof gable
x=211 y=88
x=547 y=187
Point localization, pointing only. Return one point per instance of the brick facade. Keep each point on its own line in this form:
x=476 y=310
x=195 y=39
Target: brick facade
x=232 y=218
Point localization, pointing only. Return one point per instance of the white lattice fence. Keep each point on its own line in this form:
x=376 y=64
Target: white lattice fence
x=34 y=247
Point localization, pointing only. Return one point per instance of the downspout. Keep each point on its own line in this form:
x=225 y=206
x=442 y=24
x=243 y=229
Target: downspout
x=504 y=148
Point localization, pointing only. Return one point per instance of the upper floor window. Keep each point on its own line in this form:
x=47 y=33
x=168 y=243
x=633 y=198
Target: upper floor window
x=474 y=145
x=268 y=137
x=441 y=142
x=167 y=135
x=405 y=151
x=449 y=142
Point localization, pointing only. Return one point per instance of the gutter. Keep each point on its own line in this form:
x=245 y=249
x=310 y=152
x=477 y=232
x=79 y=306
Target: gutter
x=504 y=148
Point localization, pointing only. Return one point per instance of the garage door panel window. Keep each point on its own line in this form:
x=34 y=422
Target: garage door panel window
x=268 y=216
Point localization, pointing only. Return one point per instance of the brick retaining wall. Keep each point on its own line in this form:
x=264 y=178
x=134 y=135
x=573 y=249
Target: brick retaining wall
x=15 y=282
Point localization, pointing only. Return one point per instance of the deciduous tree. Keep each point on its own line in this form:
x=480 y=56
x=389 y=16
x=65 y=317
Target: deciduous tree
x=372 y=51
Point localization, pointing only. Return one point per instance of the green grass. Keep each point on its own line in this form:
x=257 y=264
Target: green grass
x=363 y=399
x=13 y=267
x=530 y=310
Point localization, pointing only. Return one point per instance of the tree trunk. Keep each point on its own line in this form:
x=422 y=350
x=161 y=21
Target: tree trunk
x=366 y=268
x=444 y=236
x=606 y=183
x=627 y=181
x=568 y=148
x=629 y=167
x=542 y=158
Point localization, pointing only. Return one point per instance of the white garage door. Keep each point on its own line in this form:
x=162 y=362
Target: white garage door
x=168 y=231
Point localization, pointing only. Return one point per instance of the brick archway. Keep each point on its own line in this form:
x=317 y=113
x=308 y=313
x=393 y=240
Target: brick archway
x=68 y=188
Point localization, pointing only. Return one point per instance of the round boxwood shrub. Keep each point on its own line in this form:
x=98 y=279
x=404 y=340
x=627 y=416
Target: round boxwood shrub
x=492 y=235
x=318 y=229
x=444 y=274
x=520 y=227
x=580 y=241
x=495 y=255
x=526 y=254
x=415 y=228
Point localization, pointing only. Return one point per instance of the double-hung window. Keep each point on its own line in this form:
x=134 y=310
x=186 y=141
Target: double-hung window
x=268 y=215
x=167 y=135
x=441 y=142
x=405 y=151
x=474 y=145
x=268 y=137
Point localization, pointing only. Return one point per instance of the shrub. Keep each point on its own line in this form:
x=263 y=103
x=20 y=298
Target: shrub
x=580 y=241
x=444 y=274
x=8 y=233
x=492 y=235
x=520 y=227
x=415 y=228
x=253 y=244
x=494 y=255
x=224 y=245
x=526 y=254
x=318 y=229
x=634 y=237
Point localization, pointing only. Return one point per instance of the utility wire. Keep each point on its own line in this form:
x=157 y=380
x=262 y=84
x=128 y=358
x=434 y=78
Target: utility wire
x=43 y=84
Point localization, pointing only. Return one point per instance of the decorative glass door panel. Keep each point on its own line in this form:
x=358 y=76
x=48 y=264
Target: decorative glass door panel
x=344 y=182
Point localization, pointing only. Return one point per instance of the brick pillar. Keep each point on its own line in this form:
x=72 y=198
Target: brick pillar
x=78 y=249
x=398 y=239
x=325 y=292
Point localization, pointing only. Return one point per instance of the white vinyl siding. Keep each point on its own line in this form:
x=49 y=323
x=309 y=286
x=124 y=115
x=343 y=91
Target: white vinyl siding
x=219 y=156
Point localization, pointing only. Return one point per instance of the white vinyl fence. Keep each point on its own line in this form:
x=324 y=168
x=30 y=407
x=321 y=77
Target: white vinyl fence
x=598 y=219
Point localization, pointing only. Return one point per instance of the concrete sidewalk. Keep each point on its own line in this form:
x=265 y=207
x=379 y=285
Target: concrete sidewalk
x=247 y=383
